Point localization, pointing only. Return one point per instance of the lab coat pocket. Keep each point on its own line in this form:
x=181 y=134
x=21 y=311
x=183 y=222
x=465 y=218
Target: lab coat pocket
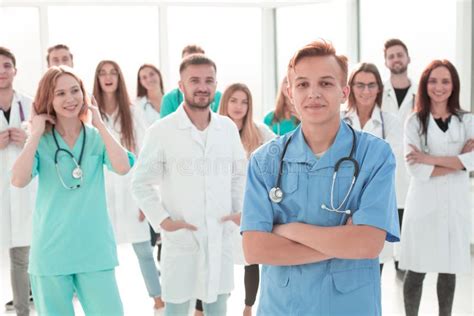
x=353 y=293
x=180 y=240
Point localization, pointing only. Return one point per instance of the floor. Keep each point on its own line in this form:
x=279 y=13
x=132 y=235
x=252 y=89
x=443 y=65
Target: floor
x=136 y=302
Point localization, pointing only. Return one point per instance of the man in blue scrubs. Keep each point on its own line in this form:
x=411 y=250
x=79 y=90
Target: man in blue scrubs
x=317 y=261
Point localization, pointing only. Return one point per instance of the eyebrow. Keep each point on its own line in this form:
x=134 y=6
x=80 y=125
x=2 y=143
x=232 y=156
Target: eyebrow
x=74 y=86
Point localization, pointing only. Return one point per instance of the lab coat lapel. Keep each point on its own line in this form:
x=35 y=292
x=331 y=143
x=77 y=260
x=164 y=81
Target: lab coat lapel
x=185 y=123
x=213 y=133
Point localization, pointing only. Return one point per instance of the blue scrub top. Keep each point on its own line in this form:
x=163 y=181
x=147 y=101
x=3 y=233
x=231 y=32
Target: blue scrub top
x=71 y=228
x=330 y=287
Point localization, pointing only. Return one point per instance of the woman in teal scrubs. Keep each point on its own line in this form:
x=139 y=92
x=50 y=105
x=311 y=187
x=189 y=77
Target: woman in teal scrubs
x=284 y=118
x=73 y=248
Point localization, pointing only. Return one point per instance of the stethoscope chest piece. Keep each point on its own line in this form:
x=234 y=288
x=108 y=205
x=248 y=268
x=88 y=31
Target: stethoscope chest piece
x=275 y=195
x=77 y=173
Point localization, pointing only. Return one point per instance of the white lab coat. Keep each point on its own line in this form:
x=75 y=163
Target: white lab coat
x=180 y=177
x=147 y=111
x=123 y=210
x=390 y=104
x=16 y=205
x=394 y=136
x=437 y=220
x=239 y=258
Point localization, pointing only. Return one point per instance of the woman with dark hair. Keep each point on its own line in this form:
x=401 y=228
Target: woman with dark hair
x=364 y=113
x=150 y=92
x=437 y=221
x=126 y=124
x=284 y=118
x=236 y=103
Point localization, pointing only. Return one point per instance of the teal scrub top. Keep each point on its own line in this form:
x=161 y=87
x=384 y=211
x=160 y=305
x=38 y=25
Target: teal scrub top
x=282 y=127
x=71 y=228
x=330 y=287
x=172 y=100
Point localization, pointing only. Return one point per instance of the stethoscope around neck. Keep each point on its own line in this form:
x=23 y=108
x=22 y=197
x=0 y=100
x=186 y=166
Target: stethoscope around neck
x=276 y=193
x=77 y=171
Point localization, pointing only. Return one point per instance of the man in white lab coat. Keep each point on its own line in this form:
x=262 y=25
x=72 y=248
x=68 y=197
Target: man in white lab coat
x=189 y=176
x=398 y=98
x=16 y=204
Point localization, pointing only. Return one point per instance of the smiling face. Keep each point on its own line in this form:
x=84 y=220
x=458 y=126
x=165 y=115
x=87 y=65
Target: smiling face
x=150 y=79
x=440 y=85
x=317 y=91
x=238 y=106
x=108 y=78
x=7 y=72
x=396 y=59
x=365 y=90
x=198 y=84
x=68 y=99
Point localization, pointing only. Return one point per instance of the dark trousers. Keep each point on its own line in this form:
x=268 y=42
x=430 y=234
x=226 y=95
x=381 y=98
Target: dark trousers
x=251 y=281
x=413 y=287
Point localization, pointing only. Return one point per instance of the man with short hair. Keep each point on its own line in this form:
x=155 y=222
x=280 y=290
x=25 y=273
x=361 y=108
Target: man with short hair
x=16 y=204
x=319 y=201
x=399 y=98
x=59 y=55
x=189 y=182
x=171 y=100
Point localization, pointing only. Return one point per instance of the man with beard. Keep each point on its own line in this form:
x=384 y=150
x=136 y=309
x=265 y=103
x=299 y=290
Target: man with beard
x=16 y=204
x=398 y=98
x=189 y=178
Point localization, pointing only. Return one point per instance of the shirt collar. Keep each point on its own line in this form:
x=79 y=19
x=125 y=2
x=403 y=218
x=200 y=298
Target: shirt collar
x=184 y=122
x=299 y=152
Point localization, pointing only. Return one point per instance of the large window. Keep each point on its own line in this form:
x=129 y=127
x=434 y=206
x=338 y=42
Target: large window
x=297 y=26
x=128 y=35
x=230 y=36
x=427 y=28
x=19 y=33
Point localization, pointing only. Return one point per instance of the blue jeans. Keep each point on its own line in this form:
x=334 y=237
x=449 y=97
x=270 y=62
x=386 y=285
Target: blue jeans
x=150 y=272
x=217 y=308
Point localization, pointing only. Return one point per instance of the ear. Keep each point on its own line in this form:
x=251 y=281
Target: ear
x=345 y=93
x=180 y=86
x=409 y=60
x=290 y=93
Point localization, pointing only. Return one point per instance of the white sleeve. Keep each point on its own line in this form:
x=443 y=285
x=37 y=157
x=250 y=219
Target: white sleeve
x=239 y=167
x=147 y=178
x=413 y=137
x=467 y=159
x=266 y=133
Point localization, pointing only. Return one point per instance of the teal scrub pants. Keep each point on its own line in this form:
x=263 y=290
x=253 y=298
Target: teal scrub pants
x=97 y=292
x=217 y=308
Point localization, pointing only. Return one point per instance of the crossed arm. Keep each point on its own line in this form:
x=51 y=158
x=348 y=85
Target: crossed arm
x=300 y=243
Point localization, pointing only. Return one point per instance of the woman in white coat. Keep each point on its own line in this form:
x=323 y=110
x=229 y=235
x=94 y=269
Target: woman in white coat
x=236 y=103
x=126 y=124
x=150 y=92
x=439 y=153
x=364 y=113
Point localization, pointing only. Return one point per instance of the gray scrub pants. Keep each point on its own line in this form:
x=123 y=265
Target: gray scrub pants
x=20 y=279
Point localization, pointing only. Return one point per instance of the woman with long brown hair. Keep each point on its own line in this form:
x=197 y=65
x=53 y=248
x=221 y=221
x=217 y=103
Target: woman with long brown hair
x=284 y=118
x=439 y=143
x=150 y=92
x=126 y=124
x=236 y=103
